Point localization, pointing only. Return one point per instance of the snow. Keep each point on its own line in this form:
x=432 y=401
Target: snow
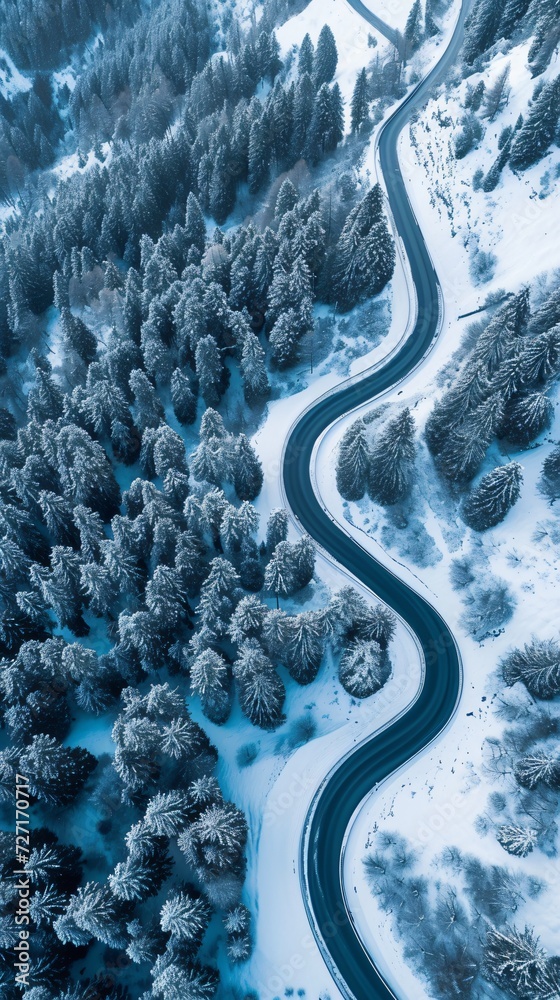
x=12 y=82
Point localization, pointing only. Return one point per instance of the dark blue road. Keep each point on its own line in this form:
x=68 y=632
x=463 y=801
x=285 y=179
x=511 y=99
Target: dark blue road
x=398 y=744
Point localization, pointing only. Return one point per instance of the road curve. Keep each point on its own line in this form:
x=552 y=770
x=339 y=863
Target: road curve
x=371 y=762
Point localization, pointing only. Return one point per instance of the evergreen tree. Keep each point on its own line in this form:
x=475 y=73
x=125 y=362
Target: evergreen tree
x=305 y=648
x=540 y=361
x=304 y=104
x=222 y=186
x=495 y=495
x=248 y=620
x=326 y=57
x=285 y=340
x=138 y=878
x=149 y=408
x=259 y=154
x=94 y=912
x=183 y=398
x=253 y=371
x=430 y=24
x=392 y=461
x=513 y=959
x=547 y=315
x=413 y=29
x=276 y=529
x=210 y=370
x=210 y=680
x=526 y=417
x=56 y=774
x=186 y=915
x=537 y=133
x=78 y=337
x=167 y=813
x=550 y=479
x=364 y=258
x=195 y=226
x=58 y=517
x=539 y=767
x=537 y=665
x=360 y=103
x=326 y=130
x=306 y=56
x=352 y=466
x=247 y=470
x=303 y=555
x=287 y=198
x=280 y=576
x=261 y=692
x=518 y=841
x=363 y=669
x=481 y=30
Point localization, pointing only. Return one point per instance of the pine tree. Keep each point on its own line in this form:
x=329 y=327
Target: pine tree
x=513 y=13
x=549 y=483
x=430 y=24
x=413 y=28
x=167 y=813
x=210 y=680
x=539 y=767
x=78 y=337
x=138 y=878
x=219 y=595
x=261 y=692
x=326 y=130
x=352 y=466
x=195 y=226
x=537 y=133
x=516 y=840
x=547 y=315
x=285 y=340
x=540 y=362
x=286 y=200
x=537 y=665
x=392 y=461
x=56 y=774
x=210 y=370
x=259 y=154
x=495 y=495
x=305 y=648
x=481 y=29
x=248 y=620
x=326 y=57
x=304 y=104
x=513 y=959
x=58 y=517
x=183 y=398
x=256 y=386
x=360 y=103
x=247 y=470
x=303 y=556
x=221 y=193
x=363 y=669
x=306 y=56
x=280 y=572
x=149 y=409
x=277 y=529
x=364 y=258
x=186 y=915
x=526 y=417
x=95 y=912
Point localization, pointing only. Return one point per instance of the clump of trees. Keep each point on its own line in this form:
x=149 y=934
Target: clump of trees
x=382 y=465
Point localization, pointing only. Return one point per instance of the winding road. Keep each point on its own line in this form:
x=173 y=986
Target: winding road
x=354 y=777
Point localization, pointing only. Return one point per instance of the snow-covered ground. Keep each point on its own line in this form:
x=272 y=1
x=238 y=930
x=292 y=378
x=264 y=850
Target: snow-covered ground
x=12 y=82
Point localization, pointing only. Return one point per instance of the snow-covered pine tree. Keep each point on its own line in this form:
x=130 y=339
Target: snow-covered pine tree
x=352 y=467
x=167 y=813
x=413 y=29
x=78 y=337
x=210 y=679
x=430 y=24
x=286 y=199
x=195 y=226
x=186 y=915
x=183 y=398
x=304 y=104
x=285 y=340
x=364 y=258
x=138 y=878
x=392 y=457
x=219 y=595
x=256 y=386
x=326 y=57
x=363 y=669
x=494 y=497
x=261 y=691
x=58 y=517
x=517 y=840
x=247 y=470
x=540 y=359
x=538 y=767
x=306 y=646
x=306 y=56
x=95 y=911
x=148 y=406
x=326 y=130
x=513 y=959
x=537 y=665
x=210 y=370
x=549 y=483
x=260 y=153
x=276 y=529
x=360 y=103
x=481 y=30
x=537 y=132
x=248 y=620
x=525 y=417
